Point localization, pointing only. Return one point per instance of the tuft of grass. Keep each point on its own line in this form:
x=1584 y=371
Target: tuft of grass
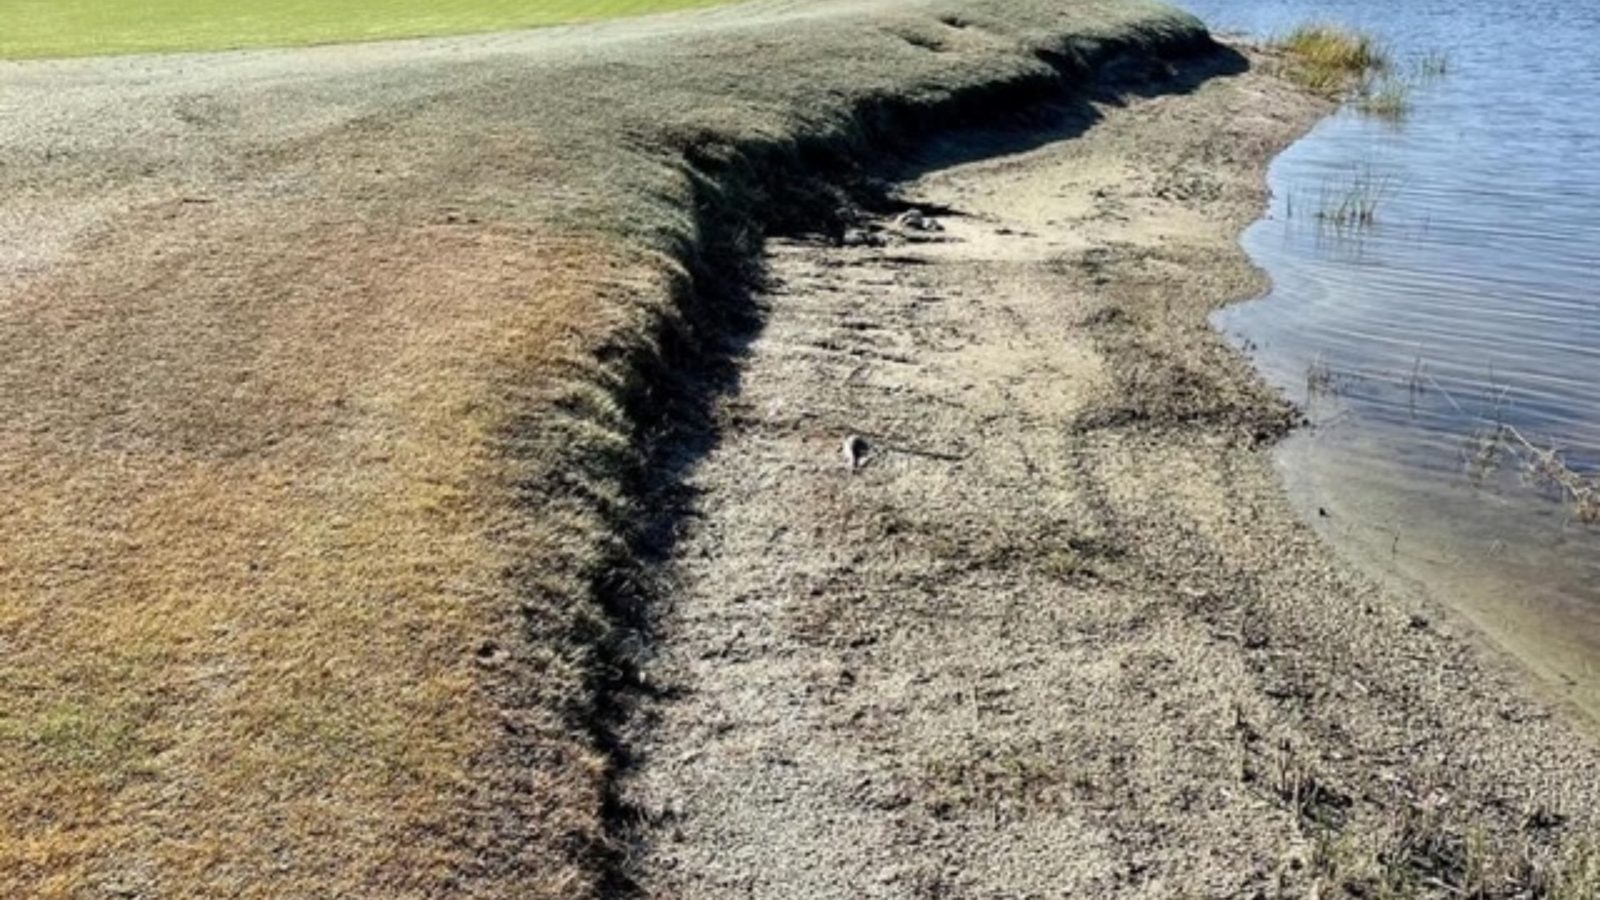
x=1356 y=204
x=1434 y=64
x=1387 y=98
x=1420 y=854
x=1576 y=874
x=1331 y=58
x=1419 y=849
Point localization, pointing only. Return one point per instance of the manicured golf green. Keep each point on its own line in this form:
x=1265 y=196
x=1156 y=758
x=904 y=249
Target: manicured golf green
x=44 y=28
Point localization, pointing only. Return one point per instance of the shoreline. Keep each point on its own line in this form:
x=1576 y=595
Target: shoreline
x=345 y=409
x=1068 y=595
x=1528 y=638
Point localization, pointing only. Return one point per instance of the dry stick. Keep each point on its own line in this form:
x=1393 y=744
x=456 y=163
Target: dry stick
x=1583 y=493
x=888 y=444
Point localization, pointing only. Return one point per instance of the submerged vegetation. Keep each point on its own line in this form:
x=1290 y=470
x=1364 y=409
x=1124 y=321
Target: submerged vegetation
x=1542 y=466
x=1387 y=97
x=1494 y=446
x=1355 y=204
x=1434 y=64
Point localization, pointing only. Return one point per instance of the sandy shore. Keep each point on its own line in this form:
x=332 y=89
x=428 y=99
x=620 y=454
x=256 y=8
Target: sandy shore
x=1059 y=633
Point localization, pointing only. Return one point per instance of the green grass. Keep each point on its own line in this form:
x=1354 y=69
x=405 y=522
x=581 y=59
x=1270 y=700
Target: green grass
x=1329 y=58
x=31 y=29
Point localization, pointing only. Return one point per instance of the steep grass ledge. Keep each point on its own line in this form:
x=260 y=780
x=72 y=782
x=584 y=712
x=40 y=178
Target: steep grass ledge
x=327 y=378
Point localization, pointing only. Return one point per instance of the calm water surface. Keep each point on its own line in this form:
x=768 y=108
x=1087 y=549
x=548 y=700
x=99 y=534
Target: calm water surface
x=1472 y=302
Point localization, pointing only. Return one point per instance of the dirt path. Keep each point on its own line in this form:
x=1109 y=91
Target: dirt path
x=1060 y=634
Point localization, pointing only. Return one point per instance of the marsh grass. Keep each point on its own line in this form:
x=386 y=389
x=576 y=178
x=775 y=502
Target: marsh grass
x=1342 y=62
x=1386 y=97
x=1433 y=64
x=1330 y=59
x=1355 y=205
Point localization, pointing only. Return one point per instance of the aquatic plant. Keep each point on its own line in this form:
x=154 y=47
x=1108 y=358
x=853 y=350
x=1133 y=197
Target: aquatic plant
x=1319 y=378
x=1433 y=64
x=1544 y=466
x=1387 y=98
x=1355 y=205
x=1330 y=58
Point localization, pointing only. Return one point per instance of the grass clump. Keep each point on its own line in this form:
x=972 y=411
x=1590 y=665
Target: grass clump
x=1330 y=58
x=1419 y=856
x=1434 y=64
x=1385 y=98
x=1356 y=204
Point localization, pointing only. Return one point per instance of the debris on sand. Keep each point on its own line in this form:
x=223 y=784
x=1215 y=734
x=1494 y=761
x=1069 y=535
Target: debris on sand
x=861 y=237
x=855 y=451
x=914 y=220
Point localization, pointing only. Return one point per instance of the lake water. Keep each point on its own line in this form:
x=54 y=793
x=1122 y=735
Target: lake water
x=1469 y=308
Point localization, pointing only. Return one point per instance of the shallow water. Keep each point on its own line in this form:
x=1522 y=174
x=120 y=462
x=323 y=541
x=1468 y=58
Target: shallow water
x=1470 y=303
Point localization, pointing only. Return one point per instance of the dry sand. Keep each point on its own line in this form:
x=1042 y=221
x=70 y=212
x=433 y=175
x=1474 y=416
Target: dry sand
x=1059 y=633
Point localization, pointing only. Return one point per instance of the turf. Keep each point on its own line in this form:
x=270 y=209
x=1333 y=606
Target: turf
x=34 y=29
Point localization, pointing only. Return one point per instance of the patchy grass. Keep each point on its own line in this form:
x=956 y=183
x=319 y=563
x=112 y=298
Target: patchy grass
x=321 y=379
x=94 y=27
x=1330 y=58
x=1417 y=847
x=1421 y=854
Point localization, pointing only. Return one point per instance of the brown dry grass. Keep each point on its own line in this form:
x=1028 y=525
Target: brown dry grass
x=245 y=601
